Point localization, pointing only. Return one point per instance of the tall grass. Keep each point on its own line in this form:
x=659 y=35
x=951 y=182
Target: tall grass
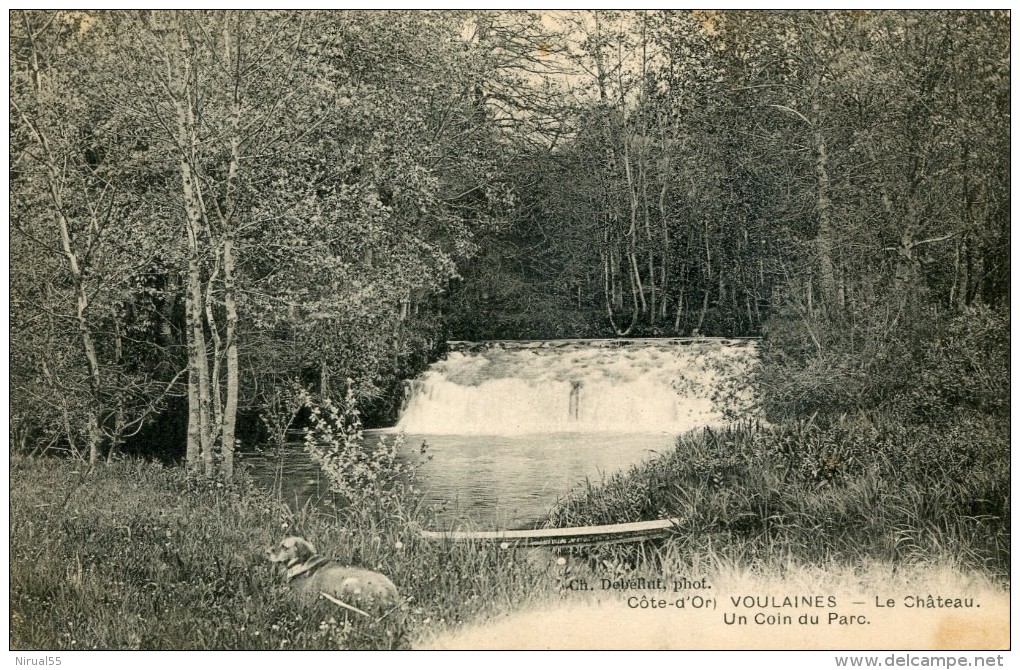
x=137 y=556
x=858 y=490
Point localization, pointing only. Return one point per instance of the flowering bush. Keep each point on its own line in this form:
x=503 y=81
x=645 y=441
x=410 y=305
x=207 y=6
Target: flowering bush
x=335 y=440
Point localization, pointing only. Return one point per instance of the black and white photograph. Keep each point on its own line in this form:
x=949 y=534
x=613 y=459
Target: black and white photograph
x=516 y=329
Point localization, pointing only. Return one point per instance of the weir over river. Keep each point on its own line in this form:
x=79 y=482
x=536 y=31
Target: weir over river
x=512 y=426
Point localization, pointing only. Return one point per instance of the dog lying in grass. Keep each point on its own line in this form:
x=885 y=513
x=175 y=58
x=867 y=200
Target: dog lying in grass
x=315 y=575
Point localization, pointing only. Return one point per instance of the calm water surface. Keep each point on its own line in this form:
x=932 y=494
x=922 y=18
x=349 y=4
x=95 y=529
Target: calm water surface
x=512 y=427
x=482 y=481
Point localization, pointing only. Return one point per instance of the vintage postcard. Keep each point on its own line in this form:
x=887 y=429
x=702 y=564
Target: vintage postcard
x=511 y=330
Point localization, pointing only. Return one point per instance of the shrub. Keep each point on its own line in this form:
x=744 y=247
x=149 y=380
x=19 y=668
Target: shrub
x=917 y=361
x=965 y=368
x=335 y=440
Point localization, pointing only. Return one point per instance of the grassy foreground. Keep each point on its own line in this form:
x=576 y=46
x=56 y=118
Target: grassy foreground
x=860 y=489
x=139 y=556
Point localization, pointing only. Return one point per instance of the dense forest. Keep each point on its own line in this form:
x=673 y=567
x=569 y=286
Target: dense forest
x=214 y=213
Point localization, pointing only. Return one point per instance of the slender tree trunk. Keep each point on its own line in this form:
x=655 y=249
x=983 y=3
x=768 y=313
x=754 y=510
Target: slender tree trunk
x=681 y=296
x=216 y=395
x=751 y=321
x=642 y=189
x=608 y=289
x=677 y=318
x=230 y=409
x=118 y=413
x=55 y=184
x=615 y=259
x=652 y=307
x=664 y=268
x=229 y=288
x=198 y=355
x=637 y=289
x=88 y=344
x=701 y=315
x=193 y=452
x=198 y=366
x=81 y=318
x=215 y=245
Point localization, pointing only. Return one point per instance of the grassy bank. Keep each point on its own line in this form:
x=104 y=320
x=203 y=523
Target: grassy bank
x=137 y=556
x=856 y=491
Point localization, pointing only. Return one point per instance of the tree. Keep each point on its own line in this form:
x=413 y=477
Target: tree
x=78 y=252
x=315 y=220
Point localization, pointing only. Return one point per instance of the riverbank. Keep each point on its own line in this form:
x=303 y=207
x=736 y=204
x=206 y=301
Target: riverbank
x=139 y=556
x=865 y=488
x=861 y=534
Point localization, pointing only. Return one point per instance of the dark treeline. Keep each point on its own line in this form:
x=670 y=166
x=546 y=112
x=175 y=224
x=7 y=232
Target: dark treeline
x=216 y=210
x=723 y=163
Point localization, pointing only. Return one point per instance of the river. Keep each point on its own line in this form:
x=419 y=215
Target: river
x=479 y=481
x=512 y=427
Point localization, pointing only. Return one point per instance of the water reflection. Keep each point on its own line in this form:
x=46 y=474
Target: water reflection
x=482 y=481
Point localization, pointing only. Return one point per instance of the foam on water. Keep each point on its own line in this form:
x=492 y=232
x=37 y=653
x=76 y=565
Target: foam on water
x=512 y=427
x=515 y=388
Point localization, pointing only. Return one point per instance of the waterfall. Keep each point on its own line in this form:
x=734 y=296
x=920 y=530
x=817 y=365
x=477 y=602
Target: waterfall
x=580 y=386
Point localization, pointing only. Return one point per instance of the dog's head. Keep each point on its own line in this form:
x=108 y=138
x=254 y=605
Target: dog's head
x=292 y=551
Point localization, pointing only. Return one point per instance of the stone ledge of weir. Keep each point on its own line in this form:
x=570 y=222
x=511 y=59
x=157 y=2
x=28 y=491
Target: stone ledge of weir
x=469 y=345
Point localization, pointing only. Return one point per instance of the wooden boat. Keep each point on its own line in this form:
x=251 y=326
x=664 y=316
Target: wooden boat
x=563 y=537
